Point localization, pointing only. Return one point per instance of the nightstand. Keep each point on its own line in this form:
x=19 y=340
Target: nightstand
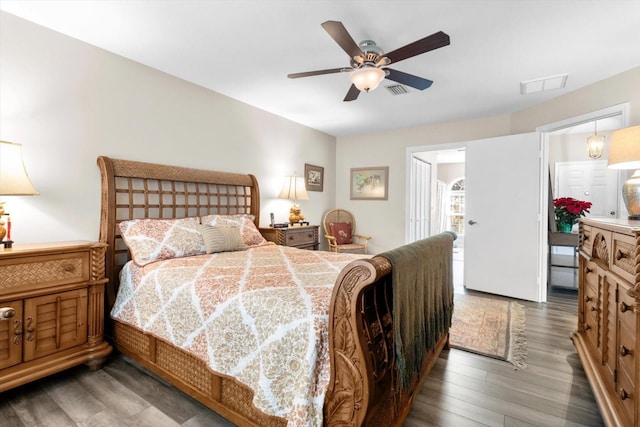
x=51 y=310
x=302 y=237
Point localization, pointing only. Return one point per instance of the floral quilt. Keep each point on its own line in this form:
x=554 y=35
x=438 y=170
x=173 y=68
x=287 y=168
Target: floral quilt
x=259 y=315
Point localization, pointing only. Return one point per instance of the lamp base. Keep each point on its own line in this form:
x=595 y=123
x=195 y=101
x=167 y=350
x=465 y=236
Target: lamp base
x=631 y=195
x=7 y=244
x=295 y=214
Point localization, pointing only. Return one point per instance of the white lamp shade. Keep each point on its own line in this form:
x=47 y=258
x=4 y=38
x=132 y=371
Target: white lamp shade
x=624 y=152
x=294 y=189
x=14 y=180
x=367 y=78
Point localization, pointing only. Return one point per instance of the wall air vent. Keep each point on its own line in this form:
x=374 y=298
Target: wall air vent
x=397 y=89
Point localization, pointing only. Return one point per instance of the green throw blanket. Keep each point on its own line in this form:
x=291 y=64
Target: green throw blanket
x=422 y=279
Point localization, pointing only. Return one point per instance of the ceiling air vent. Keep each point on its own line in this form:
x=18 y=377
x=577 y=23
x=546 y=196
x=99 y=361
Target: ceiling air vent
x=397 y=89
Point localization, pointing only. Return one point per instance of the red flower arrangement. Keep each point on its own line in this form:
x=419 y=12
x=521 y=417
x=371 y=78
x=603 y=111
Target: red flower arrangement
x=568 y=209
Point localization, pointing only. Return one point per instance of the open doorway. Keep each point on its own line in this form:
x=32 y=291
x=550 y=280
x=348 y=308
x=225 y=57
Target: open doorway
x=446 y=181
x=572 y=173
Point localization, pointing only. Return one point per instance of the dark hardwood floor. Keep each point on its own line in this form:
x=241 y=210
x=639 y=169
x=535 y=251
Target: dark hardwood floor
x=464 y=389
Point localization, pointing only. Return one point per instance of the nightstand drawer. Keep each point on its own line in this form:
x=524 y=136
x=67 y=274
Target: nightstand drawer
x=301 y=237
x=42 y=271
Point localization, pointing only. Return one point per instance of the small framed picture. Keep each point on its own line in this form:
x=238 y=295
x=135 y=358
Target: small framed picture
x=313 y=177
x=370 y=183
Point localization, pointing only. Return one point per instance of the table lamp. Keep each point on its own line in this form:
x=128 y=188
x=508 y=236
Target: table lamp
x=14 y=181
x=294 y=189
x=624 y=153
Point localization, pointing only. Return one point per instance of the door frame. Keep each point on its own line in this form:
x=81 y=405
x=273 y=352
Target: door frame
x=545 y=131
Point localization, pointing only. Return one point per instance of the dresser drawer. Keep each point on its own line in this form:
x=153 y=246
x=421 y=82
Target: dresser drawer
x=591 y=328
x=591 y=274
x=35 y=272
x=587 y=239
x=623 y=257
x=626 y=315
x=626 y=394
x=626 y=350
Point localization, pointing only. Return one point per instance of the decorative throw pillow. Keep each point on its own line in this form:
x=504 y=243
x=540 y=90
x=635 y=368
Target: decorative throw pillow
x=341 y=231
x=150 y=240
x=250 y=234
x=221 y=239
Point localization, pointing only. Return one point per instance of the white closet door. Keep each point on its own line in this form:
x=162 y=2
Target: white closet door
x=420 y=209
x=502 y=253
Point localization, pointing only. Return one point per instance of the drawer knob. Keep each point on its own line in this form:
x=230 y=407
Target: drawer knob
x=587 y=298
x=624 y=307
x=624 y=351
x=623 y=394
x=588 y=270
x=7 y=313
x=69 y=268
x=593 y=308
x=620 y=255
x=586 y=327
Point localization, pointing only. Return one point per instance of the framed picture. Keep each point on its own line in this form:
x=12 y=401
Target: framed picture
x=313 y=177
x=370 y=183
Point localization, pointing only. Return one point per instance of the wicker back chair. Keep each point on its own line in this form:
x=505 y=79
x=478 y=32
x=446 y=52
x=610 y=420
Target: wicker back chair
x=342 y=223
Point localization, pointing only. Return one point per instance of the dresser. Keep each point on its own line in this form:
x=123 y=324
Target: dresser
x=609 y=316
x=51 y=309
x=303 y=237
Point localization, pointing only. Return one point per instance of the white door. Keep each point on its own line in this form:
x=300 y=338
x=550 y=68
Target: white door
x=502 y=235
x=590 y=181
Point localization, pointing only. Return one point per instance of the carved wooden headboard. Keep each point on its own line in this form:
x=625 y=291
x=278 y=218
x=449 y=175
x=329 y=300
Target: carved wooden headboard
x=135 y=190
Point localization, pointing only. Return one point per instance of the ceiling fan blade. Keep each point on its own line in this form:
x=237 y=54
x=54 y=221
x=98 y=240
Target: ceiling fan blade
x=408 y=79
x=434 y=41
x=339 y=33
x=317 y=73
x=352 y=94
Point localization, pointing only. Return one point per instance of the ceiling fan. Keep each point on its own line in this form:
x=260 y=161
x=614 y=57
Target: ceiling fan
x=368 y=64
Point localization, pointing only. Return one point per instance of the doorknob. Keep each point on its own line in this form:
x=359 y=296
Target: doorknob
x=471 y=222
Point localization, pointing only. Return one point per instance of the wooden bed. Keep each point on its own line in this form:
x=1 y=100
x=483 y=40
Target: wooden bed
x=364 y=388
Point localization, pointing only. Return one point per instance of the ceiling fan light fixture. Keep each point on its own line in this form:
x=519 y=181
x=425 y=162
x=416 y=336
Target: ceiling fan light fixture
x=367 y=78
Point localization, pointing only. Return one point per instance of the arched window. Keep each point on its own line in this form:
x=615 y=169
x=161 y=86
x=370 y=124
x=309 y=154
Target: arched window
x=456 y=206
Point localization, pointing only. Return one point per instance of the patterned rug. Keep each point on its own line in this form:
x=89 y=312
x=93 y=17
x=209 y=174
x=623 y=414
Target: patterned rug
x=490 y=327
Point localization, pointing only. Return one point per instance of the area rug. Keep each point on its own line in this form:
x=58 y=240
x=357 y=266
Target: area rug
x=490 y=327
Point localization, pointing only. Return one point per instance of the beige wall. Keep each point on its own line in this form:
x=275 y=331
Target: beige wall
x=68 y=102
x=385 y=220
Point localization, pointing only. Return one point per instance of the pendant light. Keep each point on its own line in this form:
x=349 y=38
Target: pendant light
x=595 y=143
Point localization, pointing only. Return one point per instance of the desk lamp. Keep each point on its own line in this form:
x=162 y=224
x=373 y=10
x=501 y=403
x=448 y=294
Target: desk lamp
x=14 y=181
x=294 y=189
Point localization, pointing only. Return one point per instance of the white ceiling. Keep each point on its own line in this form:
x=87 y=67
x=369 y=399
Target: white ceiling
x=245 y=49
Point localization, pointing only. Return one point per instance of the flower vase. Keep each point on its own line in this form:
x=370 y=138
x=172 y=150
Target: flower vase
x=565 y=227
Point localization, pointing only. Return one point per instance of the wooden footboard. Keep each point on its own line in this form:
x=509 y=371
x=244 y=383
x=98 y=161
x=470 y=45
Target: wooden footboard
x=364 y=388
